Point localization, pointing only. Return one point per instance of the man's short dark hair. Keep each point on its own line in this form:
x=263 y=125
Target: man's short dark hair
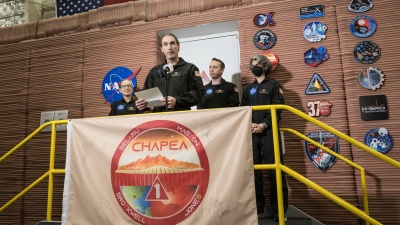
x=172 y=35
x=220 y=62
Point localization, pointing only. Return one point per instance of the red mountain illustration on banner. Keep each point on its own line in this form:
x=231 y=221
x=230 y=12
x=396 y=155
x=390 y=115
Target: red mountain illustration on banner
x=158 y=161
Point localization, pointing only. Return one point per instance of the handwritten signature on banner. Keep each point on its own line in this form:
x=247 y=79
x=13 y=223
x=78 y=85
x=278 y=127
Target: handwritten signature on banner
x=218 y=210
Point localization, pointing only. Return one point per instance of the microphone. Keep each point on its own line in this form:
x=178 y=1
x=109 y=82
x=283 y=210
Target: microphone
x=168 y=68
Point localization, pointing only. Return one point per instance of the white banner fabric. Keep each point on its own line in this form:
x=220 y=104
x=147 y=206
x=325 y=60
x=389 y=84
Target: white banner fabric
x=186 y=168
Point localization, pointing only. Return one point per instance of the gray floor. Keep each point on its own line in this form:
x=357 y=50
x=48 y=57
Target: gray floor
x=294 y=217
x=290 y=221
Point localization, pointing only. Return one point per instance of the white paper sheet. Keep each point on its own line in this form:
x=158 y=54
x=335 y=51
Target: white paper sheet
x=152 y=96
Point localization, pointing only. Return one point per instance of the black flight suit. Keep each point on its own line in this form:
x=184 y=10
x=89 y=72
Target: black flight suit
x=266 y=93
x=183 y=84
x=122 y=107
x=221 y=95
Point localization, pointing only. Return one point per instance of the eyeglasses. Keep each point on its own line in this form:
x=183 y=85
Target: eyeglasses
x=126 y=86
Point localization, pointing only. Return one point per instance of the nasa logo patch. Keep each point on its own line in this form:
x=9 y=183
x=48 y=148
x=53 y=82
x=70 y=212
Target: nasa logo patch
x=253 y=91
x=120 y=107
x=363 y=26
x=264 y=39
x=111 y=82
x=366 y=52
x=379 y=139
x=209 y=91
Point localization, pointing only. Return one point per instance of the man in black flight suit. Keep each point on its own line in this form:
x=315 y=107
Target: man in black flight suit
x=218 y=93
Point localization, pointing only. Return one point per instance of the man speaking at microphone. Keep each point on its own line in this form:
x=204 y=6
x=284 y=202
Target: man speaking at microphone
x=174 y=77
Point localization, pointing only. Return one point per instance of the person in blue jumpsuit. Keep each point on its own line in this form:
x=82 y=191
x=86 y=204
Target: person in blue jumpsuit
x=264 y=91
x=219 y=93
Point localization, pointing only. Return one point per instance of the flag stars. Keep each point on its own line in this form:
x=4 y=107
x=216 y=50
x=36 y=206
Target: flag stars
x=70 y=7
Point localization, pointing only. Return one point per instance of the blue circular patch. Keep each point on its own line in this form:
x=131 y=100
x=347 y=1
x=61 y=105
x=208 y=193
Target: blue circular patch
x=110 y=85
x=379 y=139
x=120 y=107
x=366 y=52
x=362 y=26
x=253 y=91
x=314 y=31
x=209 y=91
x=264 y=39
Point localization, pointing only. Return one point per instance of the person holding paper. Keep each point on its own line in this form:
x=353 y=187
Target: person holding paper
x=177 y=80
x=264 y=91
x=127 y=104
x=219 y=93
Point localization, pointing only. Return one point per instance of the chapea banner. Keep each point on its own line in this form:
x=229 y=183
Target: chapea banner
x=191 y=167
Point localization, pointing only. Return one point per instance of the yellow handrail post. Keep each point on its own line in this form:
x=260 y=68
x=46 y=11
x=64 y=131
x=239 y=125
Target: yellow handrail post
x=278 y=169
x=51 y=170
x=364 y=189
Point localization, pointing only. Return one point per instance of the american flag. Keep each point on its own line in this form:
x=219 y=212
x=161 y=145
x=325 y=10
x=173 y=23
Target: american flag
x=70 y=7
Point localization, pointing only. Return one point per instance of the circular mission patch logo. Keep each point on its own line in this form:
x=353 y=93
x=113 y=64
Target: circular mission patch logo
x=160 y=173
x=264 y=39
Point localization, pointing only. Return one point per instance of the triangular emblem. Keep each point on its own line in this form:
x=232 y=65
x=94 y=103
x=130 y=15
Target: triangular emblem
x=157 y=192
x=317 y=86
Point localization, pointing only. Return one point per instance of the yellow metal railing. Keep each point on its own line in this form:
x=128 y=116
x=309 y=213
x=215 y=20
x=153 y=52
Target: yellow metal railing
x=50 y=173
x=277 y=166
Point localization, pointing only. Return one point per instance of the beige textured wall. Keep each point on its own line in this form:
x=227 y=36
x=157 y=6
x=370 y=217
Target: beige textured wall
x=59 y=64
